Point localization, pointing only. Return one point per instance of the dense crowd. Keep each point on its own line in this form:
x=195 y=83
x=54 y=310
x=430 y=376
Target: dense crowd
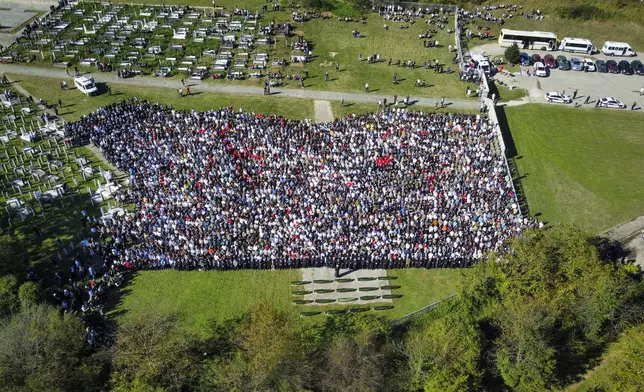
x=225 y=189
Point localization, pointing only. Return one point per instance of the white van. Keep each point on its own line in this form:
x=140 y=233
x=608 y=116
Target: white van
x=577 y=45
x=611 y=48
x=540 y=69
x=85 y=85
x=481 y=63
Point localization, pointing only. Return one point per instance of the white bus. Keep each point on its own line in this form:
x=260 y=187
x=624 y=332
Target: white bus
x=611 y=48
x=577 y=45
x=535 y=40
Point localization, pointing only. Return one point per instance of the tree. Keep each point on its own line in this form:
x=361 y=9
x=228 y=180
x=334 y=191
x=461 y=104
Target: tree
x=8 y=295
x=12 y=257
x=513 y=54
x=352 y=364
x=443 y=354
x=265 y=350
x=40 y=350
x=151 y=352
x=29 y=294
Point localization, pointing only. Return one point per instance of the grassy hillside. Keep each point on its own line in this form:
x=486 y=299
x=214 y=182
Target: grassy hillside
x=581 y=166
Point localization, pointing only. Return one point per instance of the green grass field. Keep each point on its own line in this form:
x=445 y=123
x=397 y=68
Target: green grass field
x=201 y=297
x=76 y=104
x=581 y=166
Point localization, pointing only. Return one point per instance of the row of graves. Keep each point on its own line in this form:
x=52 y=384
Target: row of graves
x=41 y=174
x=159 y=40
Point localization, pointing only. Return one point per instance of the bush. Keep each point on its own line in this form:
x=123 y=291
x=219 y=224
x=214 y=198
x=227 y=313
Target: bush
x=389 y=287
x=322 y=281
x=324 y=291
x=302 y=292
x=324 y=301
x=344 y=280
x=513 y=54
x=368 y=288
x=347 y=299
x=369 y=297
x=300 y=282
x=345 y=290
x=391 y=296
x=366 y=279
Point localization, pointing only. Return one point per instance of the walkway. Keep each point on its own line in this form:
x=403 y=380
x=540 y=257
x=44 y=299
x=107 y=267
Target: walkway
x=233 y=88
x=323 y=112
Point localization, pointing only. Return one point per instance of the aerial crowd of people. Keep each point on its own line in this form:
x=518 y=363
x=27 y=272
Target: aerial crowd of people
x=225 y=189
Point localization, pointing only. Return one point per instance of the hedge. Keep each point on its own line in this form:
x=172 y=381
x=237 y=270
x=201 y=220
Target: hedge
x=324 y=301
x=358 y=310
x=324 y=291
x=335 y=311
x=300 y=282
x=346 y=290
x=344 y=280
x=302 y=301
x=322 y=281
x=369 y=288
x=383 y=307
x=391 y=296
x=366 y=279
x=389 y=287
x=387 y=277
x=369 y=297
x=347 y=299
x=307 y=314
x=302 y=292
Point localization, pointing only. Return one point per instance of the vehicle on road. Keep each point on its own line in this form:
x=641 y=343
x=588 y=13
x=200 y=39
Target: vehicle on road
x=612 y=66
x=563 y=63
x=637 y=66
x=85 y=84
x=601 y=66
x=525 y=59
x=625 y=67
x=611 y=102
x=576 y=64
x=535 y=40
x=540 y=69
x=550 y=61
x=612 y=48
x=589 y=65
x=577 y=45
x=555 y=97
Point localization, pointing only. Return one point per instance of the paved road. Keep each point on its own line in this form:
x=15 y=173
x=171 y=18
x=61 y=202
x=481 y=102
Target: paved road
x=111 y=78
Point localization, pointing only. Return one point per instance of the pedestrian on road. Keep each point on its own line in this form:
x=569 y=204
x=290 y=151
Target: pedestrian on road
x=395 y=99
x=379 y=103
x=641 y=91
x=443 y=102
x=342 y=102
x=366 y=87
x=633 y=105
x=597 y=103
x=183 y=83
x=67 y=71
x=76 y=71
x=493 y=97
x=587 y=100
x=574 y=94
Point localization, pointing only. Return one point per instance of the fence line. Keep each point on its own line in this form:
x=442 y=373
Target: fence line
x=425 y=309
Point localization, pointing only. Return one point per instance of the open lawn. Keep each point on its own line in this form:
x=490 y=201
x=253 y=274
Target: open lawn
x=201 y=297
x=582 y=166
x=76 y=104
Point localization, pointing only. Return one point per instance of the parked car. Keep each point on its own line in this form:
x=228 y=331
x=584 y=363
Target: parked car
x=576 y=64
x=589 y=65
x=625 y=67
x=563 y=63
x=550 y=61
x=525 y=59
x=536 y=58
x=612 y=66
x=556 y=97
x=601 y=66
x=540 y=69
x=611 y=102
x=637 y=66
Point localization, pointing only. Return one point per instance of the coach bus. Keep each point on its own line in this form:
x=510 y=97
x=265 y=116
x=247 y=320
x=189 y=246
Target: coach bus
x=577 y=45
x=535 y=40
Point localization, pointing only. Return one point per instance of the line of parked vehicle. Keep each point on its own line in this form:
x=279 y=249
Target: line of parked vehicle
x=541 y=65
x=604 y=102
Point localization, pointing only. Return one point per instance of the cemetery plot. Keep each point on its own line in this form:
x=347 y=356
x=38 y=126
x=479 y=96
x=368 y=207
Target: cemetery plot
x=270 y=47
x=41 y=173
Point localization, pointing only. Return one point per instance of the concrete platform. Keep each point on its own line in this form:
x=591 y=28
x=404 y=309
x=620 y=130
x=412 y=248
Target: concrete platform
x=329 y=274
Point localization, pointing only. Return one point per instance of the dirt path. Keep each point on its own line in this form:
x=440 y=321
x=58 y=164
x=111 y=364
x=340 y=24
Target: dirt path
x=323 y=112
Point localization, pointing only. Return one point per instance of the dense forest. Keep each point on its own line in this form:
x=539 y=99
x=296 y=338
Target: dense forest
x=537 y=319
